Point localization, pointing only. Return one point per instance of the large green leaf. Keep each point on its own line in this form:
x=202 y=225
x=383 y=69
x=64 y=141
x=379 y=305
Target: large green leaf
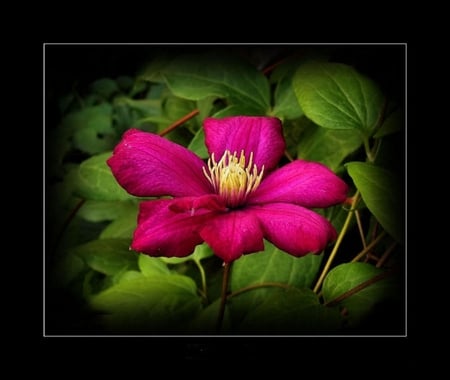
x=270 y=266
x=295 y=311
x=98 y=211
x=346 y=277
x=328 y=146
x=160 y=304
x=94 y=180
x=107 y=256
x=196 y=76
x=336 y=96
x=381 y=191
x=274 y=265
x=150 y=266
x=286 y=105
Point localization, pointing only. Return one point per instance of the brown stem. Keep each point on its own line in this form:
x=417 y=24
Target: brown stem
x=360 y=228
x=270 y=68
x=223 y=297
x=175 y=125
x=369 y=247
x=385 y=255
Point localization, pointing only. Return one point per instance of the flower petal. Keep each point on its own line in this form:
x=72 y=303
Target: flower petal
x=261 y=135
x=308 y=184
x=233 y=234
x=196 y=205
x=163 y=232
x=294 y=229
x=147 y=165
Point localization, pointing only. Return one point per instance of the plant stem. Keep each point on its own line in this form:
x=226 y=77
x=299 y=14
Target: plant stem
x=223 y=297
x=360 y=228
x=386 y=255
x=369 y=247
x=369 y=154
x=263 y=285
x=203 y=276
x=185 y=118
x=338 y=243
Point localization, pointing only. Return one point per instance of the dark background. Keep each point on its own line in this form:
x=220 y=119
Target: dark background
x=78 y=65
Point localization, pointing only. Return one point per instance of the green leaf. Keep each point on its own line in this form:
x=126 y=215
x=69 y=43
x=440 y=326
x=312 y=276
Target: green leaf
x=125 y=83
x=345 y=277
x=146 y=107
x=205 y=321
x=286 y=105
x=380 y=191
x=295 y=311
x=105 y=87
x=107 y=256
x=393 y=123
x=328 y=146
x=271 y=265
x=93 y=142
x=96 y=117
x=139 y=87
x=293 y=131
x=274 y=265
x=202 y=251
x=129 y=275
x=197 y=145
x=99 y=211
x=206 y=106
x=159 y=304
x=150 y=266
x=216 y=74
x=94 y=180
x=235 y=110
x=68 y=268
x=91 y=128
x=123 y=226
x=175 y=108
x=152 y=71
x=336 y=96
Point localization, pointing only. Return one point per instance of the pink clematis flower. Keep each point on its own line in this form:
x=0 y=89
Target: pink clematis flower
x=235 y=200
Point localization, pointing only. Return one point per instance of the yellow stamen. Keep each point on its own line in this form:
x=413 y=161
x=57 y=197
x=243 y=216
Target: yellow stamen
x=232 y=178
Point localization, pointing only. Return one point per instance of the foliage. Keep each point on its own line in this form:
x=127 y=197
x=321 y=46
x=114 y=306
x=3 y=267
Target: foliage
x=331 y=112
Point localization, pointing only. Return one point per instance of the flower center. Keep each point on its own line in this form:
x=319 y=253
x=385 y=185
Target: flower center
x=232 y=178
